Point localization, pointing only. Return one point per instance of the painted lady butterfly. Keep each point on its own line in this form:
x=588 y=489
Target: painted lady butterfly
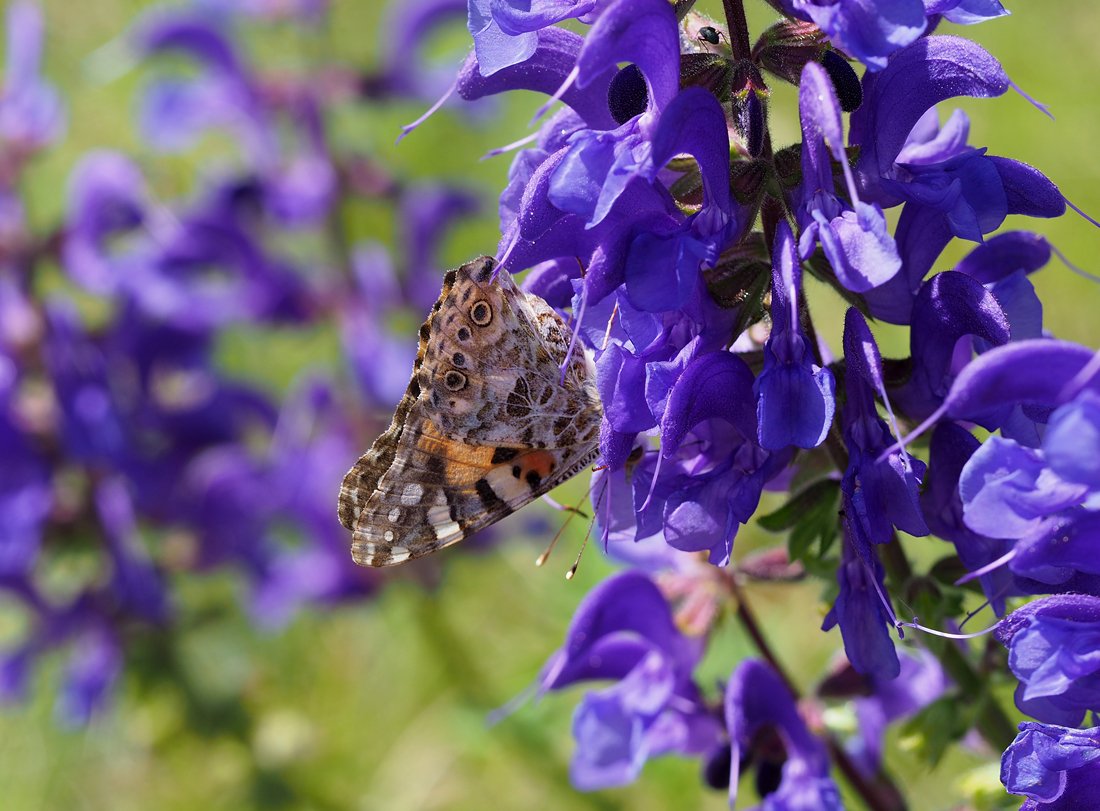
x=488 y=423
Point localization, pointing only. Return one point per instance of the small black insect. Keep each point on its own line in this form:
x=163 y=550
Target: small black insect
x=710 y=34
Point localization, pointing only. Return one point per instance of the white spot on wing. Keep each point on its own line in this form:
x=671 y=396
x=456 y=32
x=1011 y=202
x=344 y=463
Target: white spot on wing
x=447 y=529
x=395 y=513
x=411 y=494
x=398 y=554
x=388 y=535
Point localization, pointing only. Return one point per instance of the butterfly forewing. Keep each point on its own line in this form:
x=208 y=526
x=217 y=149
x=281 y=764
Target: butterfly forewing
x=486 y=425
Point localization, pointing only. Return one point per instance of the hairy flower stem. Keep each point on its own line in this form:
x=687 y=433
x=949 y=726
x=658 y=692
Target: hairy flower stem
x=738 y=27
x=883 y=797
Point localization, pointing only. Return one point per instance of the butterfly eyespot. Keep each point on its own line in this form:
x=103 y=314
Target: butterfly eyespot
x=454 y=380
x=481 y=313
x=458 y=359
x=463 y=333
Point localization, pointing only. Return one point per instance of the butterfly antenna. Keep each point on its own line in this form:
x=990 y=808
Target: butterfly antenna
x=610 y=323
x=541 y=559
x=584 y=544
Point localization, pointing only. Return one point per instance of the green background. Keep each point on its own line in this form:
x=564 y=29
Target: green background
x=383 y=705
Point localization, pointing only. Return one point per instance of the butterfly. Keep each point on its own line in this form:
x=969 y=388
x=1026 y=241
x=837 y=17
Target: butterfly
x=498 y=412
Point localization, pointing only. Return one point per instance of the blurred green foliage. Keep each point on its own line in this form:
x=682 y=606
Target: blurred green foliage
x=384 y=705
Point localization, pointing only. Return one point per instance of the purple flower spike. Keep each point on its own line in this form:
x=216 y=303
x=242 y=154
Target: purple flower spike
x=757 y=703
x=795 y=396
x=1054 y=650
x=1056 y=768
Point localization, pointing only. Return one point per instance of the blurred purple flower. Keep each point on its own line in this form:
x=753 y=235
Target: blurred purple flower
x=760 y=709
x=624 y=631
x=31 y=114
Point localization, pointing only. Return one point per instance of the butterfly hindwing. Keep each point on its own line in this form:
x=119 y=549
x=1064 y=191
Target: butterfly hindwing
x=486 y=425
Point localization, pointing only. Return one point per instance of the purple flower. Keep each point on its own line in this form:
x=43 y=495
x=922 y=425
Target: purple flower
x=624 y=631
x=1056 y=768
x=854 y=237
x=760 y=708
x=31 y=114
x=1042 y=498
x=880 y=492
x=862 y=610
x=869 y=31
x=1053 y=646
x=505 y=31
x=94 y=664
x=796 y=397
x=949 y=189
x=951 y=448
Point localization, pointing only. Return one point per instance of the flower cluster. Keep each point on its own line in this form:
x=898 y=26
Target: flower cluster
x=655 y=205
x=132 y=453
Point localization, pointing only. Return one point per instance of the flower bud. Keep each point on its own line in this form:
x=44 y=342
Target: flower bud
x=747 y=103
x=848 y=89
x=627 y=95
x=786 y=47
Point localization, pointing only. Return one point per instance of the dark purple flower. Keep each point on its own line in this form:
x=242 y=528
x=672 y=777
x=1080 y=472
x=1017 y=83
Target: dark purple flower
x=1056 y=768
x=1054 y=650
x=948 y=307
x=951 y=448
x=760 y=708
x=796 y=398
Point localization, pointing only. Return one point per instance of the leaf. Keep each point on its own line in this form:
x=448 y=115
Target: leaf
x=810 y=515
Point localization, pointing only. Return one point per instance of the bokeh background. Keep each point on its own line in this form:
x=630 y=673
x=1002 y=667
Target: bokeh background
x=383 y=702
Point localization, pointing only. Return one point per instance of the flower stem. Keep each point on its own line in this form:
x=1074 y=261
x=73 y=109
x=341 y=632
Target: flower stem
x=738 y=27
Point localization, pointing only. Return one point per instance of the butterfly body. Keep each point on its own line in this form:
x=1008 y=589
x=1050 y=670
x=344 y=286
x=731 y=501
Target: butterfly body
x=488 y=423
